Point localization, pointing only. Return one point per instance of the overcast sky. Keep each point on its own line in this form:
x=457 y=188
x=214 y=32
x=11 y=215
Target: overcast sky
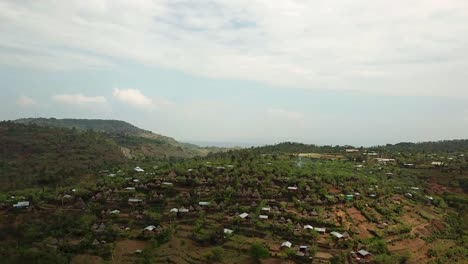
x=359 y=72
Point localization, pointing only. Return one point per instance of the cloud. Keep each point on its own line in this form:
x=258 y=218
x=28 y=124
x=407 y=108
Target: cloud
x=26 y=101
x=285 y=114
x=132 y=97
x=79 y=99
x=384 y=47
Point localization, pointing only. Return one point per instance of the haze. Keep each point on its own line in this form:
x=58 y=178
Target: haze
x=242 y=72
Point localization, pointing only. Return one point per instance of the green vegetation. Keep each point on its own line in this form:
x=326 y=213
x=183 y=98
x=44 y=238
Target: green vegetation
x=34 y=155
x=86 y=199
x=258 y=251
x=141 y=143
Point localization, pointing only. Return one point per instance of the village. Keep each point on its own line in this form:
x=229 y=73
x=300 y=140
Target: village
x=232 y=209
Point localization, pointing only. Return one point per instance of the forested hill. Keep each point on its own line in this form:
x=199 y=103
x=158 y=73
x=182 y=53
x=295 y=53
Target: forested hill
x=136 y=142
x=33 y=155
x=99 y=125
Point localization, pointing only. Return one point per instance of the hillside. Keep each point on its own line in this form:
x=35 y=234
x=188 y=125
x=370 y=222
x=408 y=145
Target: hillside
x=99 y=125
x=32 y=155
x=233 y=207
x=135 y=142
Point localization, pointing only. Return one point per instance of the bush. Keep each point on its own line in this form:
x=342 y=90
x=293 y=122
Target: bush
x=258 y=251
x=217 y=254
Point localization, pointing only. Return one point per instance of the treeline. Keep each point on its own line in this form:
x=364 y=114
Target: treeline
x=108 y=126
x=457 y=145
x=444 y=146
x=292 y=147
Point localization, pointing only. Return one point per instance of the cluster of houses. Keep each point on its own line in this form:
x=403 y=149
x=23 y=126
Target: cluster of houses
x=288 y=203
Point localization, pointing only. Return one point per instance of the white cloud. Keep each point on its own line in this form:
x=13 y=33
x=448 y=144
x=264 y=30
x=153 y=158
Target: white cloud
x=79 y=99
x=389 y=47
x=26 y=101
x=285 y=114
x=133 y=97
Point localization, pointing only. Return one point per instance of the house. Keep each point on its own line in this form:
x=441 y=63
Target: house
x=364 y=253
x=385 y=160
x=167 y=184
x=149 y=228
x=308 y=227
x=320 y=229
x=349 y=197
x=174 y=210
x=183 y=210
x=292 y=188
x=21 y=205
x=115 y=212
x=352 y=150
x=228 y=231
x=336 y=234
x=415 y=188
x=362 y=256
x=130 y=189
x=135 y=201
x=437 y=163
x=346 y=235
x=286 y=244
x=266 y=209
x=244 y=215
x=80 y=204
x=204 y=203
x=263 y=217
x=138 y=169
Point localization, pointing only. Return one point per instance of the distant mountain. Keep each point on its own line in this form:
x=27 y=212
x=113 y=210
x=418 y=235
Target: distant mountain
x=134 y=141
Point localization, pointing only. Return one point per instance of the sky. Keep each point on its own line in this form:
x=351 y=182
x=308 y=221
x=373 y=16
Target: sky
x=360 y=72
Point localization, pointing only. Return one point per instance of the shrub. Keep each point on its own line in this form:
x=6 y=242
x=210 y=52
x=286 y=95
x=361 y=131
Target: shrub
x=258 y=251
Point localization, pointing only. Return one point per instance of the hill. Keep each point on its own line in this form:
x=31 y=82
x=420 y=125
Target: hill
x=36 y=155
x=135 y=142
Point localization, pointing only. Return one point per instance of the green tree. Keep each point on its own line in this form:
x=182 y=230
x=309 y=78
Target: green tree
x=258 y=251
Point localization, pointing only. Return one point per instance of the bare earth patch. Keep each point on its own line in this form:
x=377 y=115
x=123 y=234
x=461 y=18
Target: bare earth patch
x=417 y=247
x=125 y=250
x=355 y=215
